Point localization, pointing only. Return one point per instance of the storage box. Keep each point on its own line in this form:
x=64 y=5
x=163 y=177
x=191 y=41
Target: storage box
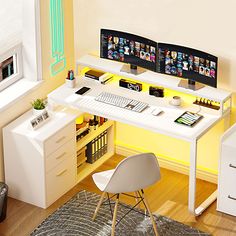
x=81 y=157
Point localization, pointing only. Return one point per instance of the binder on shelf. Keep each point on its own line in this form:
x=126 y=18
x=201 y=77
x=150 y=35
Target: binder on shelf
x=96 y=148
x=100 y=145
x=89 y=152
x=105 y=144
x=93 y=151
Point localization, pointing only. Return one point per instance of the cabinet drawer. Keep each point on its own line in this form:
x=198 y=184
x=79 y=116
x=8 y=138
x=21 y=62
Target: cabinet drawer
x=60 y=179
x=228 y=154
x=59 y=138
x=228 y=165
x=67 y=151
x=227 y=200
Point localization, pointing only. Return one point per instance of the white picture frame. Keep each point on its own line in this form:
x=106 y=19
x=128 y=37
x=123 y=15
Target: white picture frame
x=39 y=120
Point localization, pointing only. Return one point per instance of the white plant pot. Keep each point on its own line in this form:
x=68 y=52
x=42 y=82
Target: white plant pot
x=38 y=112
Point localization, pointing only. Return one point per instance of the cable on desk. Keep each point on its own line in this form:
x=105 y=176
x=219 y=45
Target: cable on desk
x=199 y=109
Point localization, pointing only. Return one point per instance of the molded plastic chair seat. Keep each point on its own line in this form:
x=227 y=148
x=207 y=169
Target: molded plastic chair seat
x=102 y=178
x=131 y=175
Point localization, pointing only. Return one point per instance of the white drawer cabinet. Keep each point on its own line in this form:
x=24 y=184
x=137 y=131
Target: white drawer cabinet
x=59 y=138
x=40 y=165
x=66 y=151
x=59 y=180
x=226 y=201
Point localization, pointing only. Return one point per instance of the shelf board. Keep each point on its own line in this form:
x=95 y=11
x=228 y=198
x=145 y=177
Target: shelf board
x=154 y=78
x=93 y=134
x=87 y=168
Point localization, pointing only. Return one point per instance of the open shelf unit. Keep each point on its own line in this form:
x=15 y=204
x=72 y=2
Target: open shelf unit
x=94 y=133
x=86 y=168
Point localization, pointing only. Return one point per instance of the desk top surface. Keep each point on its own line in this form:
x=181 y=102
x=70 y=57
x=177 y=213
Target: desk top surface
x=163 y=123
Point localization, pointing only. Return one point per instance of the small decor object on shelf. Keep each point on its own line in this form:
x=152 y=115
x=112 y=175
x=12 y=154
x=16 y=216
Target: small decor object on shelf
x=39 y=120
x=38 y=106
x=70 y=80
x=175 y=101
x=207 y=103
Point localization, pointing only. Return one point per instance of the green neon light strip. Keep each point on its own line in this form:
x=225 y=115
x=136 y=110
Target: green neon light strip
x=57 y=36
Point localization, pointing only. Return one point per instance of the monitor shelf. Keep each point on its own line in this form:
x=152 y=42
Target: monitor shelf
x=153 y=78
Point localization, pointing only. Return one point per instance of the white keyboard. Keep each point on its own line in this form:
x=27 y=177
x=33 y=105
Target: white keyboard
x=120 y=101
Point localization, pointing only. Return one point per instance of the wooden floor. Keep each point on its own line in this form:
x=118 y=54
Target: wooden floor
x=168 y=197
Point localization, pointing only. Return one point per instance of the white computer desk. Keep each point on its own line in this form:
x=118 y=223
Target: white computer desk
x=163 y=124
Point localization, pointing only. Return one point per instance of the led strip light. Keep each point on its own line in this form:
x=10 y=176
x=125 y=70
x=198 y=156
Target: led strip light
x=57 y=36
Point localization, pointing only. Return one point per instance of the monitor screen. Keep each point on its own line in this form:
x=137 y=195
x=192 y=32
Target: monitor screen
x=187 y=63
x=128 y=48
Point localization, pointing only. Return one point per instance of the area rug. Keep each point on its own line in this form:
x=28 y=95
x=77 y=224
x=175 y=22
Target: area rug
x=74 y=218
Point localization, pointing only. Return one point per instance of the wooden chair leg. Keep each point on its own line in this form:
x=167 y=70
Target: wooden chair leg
x=137 y=199
x=114 y=216
x=150 y=213
x=99 y=204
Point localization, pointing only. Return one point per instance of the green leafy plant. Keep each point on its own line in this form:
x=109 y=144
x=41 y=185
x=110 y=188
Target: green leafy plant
x=38 y=104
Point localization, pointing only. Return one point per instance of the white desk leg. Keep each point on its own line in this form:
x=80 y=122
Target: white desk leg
x=192 y=184
x=192 y=177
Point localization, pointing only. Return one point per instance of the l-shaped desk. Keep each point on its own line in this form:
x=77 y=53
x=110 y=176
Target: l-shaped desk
x=163 y=124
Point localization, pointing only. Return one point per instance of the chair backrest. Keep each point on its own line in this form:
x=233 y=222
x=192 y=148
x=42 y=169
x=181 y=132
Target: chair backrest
x=134 y=173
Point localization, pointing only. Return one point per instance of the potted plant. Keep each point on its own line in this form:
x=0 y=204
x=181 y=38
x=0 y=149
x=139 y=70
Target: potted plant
x=38 y=106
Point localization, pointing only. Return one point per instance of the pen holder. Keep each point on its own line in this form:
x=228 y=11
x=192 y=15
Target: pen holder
x=70 y=83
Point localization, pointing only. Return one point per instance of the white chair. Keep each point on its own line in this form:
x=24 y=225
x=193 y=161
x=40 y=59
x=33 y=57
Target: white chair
x=133 y=174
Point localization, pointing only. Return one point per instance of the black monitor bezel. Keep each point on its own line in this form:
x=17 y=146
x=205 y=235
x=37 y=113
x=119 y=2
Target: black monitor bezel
x=192 y=76
x=137 y=61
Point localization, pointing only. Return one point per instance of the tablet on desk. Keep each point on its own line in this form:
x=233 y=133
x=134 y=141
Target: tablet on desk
x=189 y=119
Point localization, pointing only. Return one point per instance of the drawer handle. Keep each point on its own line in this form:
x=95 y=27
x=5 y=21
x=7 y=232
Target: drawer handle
x=232 y=166
x=61 y=173
x=63 y=154
x=60 y=139
x=233 y=198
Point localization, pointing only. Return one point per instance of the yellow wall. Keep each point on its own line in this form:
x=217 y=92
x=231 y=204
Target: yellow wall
x=50 y=82
x=204 y=25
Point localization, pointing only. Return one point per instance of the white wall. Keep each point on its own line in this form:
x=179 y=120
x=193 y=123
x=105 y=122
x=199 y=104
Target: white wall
x=11 y=22
x=50 y=82
x=205 y=25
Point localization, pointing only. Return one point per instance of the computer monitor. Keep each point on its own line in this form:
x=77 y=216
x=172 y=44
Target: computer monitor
x=132 y=49
x=188 y=63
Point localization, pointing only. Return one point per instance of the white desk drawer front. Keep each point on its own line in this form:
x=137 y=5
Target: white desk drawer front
x=60 y=179
x=228 y=153
x=228 y=164
x=66 y=151
x=58 y=139
x=227 y=200
x=227 y=177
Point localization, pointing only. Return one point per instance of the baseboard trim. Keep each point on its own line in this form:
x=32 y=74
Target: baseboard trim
x=169 y=164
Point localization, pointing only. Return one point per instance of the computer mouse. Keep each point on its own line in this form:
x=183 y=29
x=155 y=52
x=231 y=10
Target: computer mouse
x=157 y=111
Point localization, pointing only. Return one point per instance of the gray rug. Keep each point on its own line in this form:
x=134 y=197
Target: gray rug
x=74 y=218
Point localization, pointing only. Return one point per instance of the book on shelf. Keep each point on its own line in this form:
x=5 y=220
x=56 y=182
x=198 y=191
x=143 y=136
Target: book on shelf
x=94 y=74
x=101 y=76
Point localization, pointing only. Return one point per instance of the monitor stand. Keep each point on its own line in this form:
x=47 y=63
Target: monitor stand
x=190 y=84
x=132 y=69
